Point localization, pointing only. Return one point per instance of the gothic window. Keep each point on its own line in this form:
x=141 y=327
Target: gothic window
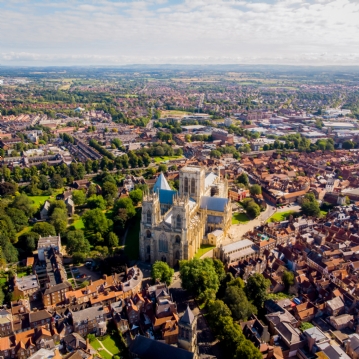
x=148 y=234
x=177 y=255
x=162 y=243
x=186 y=185
x=179 y=221
x=178 y=239
x=193 y=186
x=148 y=249
x=149 y=217
x=163 y=259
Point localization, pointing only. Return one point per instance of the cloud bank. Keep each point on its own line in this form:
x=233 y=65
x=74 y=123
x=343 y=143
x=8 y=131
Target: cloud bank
x=104 y=32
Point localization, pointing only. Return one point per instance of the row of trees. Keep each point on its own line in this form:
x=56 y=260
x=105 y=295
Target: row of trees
x=227 y=300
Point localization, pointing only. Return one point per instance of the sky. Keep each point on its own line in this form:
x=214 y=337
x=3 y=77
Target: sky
x=119 y=32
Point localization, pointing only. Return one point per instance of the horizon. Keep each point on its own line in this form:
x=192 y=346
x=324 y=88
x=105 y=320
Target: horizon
x=179 y=32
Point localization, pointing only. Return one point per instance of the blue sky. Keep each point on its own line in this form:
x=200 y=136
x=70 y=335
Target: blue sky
x=109 y=32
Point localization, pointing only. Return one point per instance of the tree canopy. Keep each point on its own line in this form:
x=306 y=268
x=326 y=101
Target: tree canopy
x=163 y=272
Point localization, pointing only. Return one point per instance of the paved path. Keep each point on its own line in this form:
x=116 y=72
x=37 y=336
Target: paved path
x=237 y=231
x=104 y=348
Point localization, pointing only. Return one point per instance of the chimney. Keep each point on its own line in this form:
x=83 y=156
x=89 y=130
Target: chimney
x=104 y=276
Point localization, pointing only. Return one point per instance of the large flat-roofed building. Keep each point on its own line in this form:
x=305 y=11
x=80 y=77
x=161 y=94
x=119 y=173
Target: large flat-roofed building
x=237 y=251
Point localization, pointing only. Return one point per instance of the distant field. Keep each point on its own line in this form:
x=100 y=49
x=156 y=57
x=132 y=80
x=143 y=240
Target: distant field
x=166 y=113
x=165 y=158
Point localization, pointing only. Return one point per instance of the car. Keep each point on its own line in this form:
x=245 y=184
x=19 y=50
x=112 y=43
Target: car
x=78 y=276
x=83 y=276
x=75 y=270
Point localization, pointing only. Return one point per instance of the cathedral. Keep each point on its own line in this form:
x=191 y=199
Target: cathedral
x=174 y=224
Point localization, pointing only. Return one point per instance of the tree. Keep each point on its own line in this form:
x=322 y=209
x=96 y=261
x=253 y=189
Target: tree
x=247 y=350
x=238 y=303
x=136 y=196
x=112 y=240
x=8 y=189
x=28 y=241
x=121 y=218
x=96 y=201
x=256 y=289
x=288 y=279
x=57 y=181
x=161 y=271
x=162 y=168
x=127 y=204
x=198 y=275
x=310 y=205
x=253 y=210
x=17 y=217
x=78 y=257
x=96 y=221
x=79 y=197
x=24 y=204
x=76 y=242
x=215 y=154
x=255 y=190
x=44 y=229
x=91 y=337
x=243 y=178
x=348 y=145
x=109 y=190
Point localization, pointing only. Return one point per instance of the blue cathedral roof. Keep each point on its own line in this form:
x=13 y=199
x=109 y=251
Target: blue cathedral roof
x=161 y=183
x=166 y=196
x=214 y=203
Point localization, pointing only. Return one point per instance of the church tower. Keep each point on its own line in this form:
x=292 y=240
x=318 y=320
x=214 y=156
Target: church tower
x=187 y=338
x=151 y=216
x=192 y=182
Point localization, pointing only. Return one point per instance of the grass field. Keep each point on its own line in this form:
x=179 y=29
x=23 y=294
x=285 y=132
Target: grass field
x=103 y=353
x=280 y=216
x=165 y=158
x=132 y=239
x=79 y=224
x=166 y=113
x=240 y=218
x=204 y=249
x=40 y=200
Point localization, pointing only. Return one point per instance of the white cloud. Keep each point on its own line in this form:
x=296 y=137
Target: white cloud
x=201 y=31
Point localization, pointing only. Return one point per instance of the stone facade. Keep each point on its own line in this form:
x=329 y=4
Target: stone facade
x=175 y=224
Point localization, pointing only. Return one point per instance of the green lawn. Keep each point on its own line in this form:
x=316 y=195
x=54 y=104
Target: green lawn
x=79 y=224
x=204 y=249
x=110 y=344
x=165 y=158
x=40 y=200
x=323 y=213
x=132 y=239
x=280 y=216
x=3 y=280
x=103 y=353
x=25 y=230
x=241 y=218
